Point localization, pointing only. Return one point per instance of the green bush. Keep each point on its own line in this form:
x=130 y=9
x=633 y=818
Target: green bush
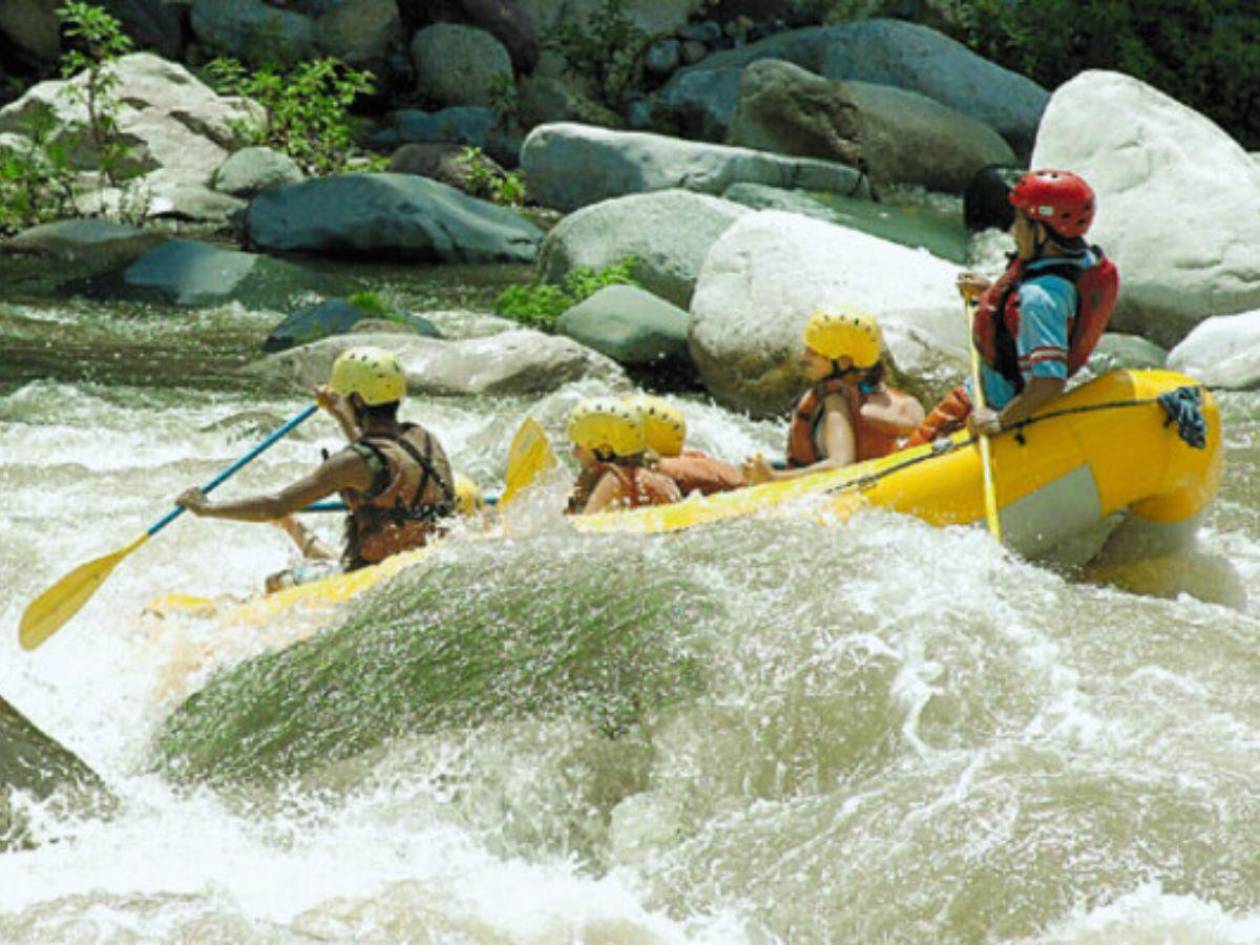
x=539 y=305
x=484 y=180
x=608 y=49
x=307 y=107
x=37 y=184
x=1203 y=53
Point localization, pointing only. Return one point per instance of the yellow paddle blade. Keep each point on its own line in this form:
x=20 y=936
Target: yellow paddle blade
x=529 y=456
x=46 y=613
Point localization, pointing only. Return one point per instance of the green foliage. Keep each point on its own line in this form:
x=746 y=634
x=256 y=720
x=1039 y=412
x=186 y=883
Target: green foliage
x=539 y=305
x=372 y=303
x=307 y=107
x=99 y=42
x=1203 y=53
x=607 y=49
x=37 y=184
x=486 y=181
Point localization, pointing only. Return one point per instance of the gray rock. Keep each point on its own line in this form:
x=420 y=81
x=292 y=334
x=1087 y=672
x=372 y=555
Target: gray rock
x=460 y=124
x=706 y=31
x=250 y=171
x=693 y=52
x=106 y=245
x=34 y=765
x=152 y=24
x=662 y=57
x=543 y=100
x=459 y=65
x=668 y=232
x=172 y=121
x=699 y=102
x=185 y=272
x=918 y=59
x=254 y=31
x=30 y=29
x=627 y=324
x=337 y=317
x=517 y=362
x=766 y=274
x=1178 y=201
x=174 y=199
x=789 y=110
x=911 y=139
x=361 y=33
x=918 y=228
x=1222 y=352
x=568 y=166
x=394 y=215
x=1116 y=351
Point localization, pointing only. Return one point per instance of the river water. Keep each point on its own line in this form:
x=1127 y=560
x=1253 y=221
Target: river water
x=765 y=731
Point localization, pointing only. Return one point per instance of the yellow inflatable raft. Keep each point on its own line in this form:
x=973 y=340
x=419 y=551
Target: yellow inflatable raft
x=1107 y=447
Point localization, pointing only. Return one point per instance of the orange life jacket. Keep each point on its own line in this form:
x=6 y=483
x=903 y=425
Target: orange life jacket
x=996 y=325
x=413 y=488
x=694 y=471
x=868 y=442
x=946 y=417
x=642 y=486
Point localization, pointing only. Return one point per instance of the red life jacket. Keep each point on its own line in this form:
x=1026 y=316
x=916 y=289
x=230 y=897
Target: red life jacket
x=413 y=488
x=696 y=472
x=996 y=325
x=868 y=442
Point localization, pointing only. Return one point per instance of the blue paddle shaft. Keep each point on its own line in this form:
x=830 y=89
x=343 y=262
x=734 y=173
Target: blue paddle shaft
x=218 y=480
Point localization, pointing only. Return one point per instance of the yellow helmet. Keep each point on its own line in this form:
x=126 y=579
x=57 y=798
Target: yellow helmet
x=664 y=426
x=373 y=373
x=605 y=425
x=468 y=497
x=845 y=331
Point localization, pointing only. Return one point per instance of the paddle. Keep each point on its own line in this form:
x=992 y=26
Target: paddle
x=986 y=459
x=45 y=615
x=529 y=456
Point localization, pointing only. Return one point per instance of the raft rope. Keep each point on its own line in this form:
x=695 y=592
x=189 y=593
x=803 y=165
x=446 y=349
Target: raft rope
x=1182 y=405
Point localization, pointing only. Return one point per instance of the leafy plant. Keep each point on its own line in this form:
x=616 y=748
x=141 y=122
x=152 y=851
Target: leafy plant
x=607 y=48
x=539 y=305
x=37 y=183
x=1202 y=52
x=485 y=180
x=307 y=106
x=100 y=41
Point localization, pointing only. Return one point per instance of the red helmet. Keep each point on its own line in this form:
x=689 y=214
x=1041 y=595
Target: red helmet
x=1059 y=199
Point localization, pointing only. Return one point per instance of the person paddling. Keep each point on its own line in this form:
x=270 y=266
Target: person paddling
x=849 y=414
x=665 y=432
x=618 y=470
x=394 y=476
x=1038 y=323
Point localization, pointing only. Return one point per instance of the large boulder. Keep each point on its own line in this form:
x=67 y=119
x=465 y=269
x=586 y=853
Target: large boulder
x=770 y=270
x=398 y=216
x=30 y=34
x=152 y=24
x=1178 y=201
x=1222 y=352
x=511 y=25
x=516 y=362
x=253 y=31
x=337 y=317
x=700 y=101
x=34 y=765
x=668 y=233
x=918 y=59
x=96 y=242
x=186 y=272
x=568 y=166
x=459 y=65
x=909 y=138
x=170 y=119
x=628 y=325
x=916 y=227
x=789 y=110
x=459 y=124
x=362 y=33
